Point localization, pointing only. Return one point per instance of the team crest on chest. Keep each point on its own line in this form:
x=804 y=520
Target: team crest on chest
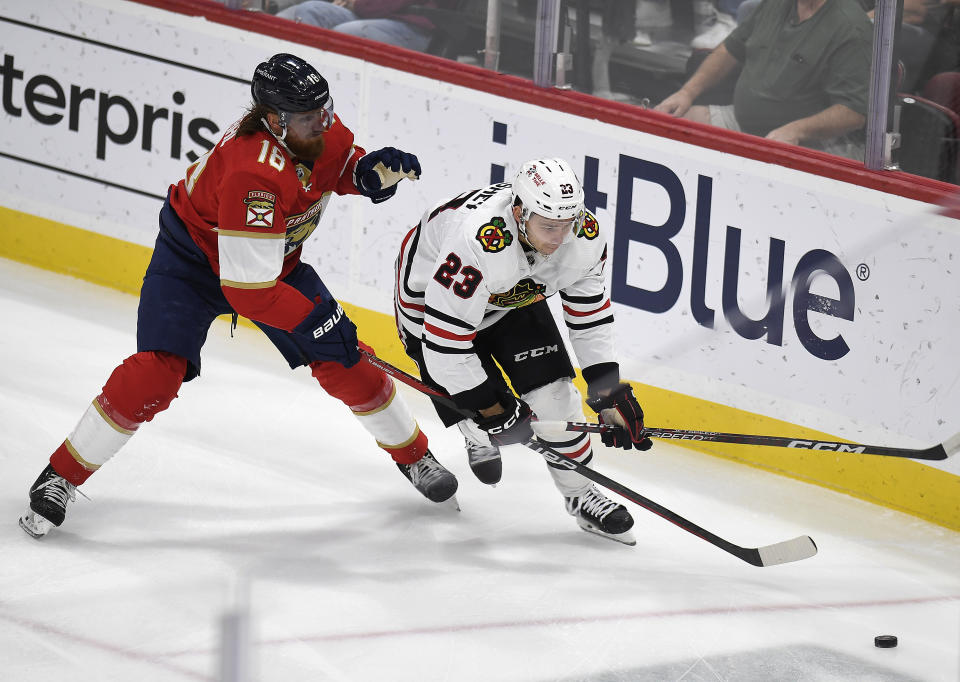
x=494 y=236
x=303 y=175
x=524 y=292
x=260 y=206
x=588 y=226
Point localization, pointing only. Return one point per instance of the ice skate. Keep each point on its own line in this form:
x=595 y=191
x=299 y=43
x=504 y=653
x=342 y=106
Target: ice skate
x=49 y=496
x=484 y=462
x=431 y=479
x=598 y=514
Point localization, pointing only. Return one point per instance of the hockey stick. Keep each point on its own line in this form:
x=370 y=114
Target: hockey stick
x=941 y=451
x=798 y=548
x=801 y=547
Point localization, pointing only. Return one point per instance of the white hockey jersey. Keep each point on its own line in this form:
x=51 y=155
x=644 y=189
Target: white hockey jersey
x=463 y=268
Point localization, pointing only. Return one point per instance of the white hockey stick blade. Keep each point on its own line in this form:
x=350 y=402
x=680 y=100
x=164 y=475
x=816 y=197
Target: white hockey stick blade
x=802 y=547
x=951 y=445
x=389 y=177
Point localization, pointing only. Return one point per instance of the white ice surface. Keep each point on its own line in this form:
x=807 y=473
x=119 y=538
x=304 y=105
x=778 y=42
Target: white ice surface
x=256 y=478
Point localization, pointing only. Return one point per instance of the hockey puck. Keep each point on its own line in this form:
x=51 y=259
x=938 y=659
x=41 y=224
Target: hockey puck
x=885 y=641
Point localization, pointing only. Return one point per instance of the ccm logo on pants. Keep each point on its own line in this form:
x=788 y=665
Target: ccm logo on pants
x=535 y=352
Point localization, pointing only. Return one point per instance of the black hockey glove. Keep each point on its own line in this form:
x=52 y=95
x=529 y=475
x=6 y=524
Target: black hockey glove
x=397 y=164
x=330 y=333
x=621 y=409
x=510 y=426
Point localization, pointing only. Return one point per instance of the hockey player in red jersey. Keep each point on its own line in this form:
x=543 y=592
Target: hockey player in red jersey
x=230 y=241
x=472 y=283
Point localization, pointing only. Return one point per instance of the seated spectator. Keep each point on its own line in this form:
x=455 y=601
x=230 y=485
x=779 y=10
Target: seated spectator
x=914 y=44
x=805 y=77
x=380 y=20
x=701 y=23
x=617 y=26
x=714 y=22
x=929 y=41
x=745 y=9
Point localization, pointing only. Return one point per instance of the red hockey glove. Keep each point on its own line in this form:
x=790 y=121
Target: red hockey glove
x=510 y=426
x=621 y=409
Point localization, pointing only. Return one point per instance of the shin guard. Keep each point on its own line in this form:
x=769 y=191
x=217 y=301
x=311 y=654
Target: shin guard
x=136 y=391
x=560 y=401
x=372 y=397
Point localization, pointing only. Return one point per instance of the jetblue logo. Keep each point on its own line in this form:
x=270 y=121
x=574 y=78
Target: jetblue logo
x=770 y=325
x=535 y=352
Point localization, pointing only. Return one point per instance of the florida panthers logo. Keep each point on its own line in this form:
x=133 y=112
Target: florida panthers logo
x=260 y=207
x=524 y=292
x=588 y=226
x=494 y=236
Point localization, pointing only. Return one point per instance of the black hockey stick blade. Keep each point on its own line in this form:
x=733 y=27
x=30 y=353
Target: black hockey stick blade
x=937 y=452
x=770 y=555
x=797 y=549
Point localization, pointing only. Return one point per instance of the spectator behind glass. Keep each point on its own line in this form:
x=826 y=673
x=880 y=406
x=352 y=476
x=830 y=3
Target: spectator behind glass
x=380 y=20
x=914 y=44
x=943 y=23
x=805 y=77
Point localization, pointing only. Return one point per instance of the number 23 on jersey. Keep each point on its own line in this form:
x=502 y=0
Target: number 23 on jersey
x=450 y=269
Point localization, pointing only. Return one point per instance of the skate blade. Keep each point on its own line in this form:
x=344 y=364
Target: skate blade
x=625 y=537
x=35 y=525
x=450 y=503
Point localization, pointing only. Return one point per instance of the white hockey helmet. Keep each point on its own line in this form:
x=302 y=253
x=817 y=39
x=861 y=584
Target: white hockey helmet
x=550 y=188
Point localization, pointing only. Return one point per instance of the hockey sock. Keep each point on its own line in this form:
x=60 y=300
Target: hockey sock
x=570 y=483
x=143 y=385
x=561 y=400
x=372 y=397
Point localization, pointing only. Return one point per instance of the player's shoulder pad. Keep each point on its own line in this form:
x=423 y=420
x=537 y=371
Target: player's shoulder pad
x=248 y=154
x=589 y=227
x=494 y=234
x=339 y=137
x=492 y=229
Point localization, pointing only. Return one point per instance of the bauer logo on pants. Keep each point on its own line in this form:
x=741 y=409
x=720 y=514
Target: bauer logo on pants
x=260 y=206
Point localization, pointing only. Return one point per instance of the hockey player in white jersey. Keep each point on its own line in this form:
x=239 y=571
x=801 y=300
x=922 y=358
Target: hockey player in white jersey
x=472 y=283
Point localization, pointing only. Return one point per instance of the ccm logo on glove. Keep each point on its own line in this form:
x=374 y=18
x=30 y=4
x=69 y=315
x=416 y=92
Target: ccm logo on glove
x=330 y=323
x=509 y=423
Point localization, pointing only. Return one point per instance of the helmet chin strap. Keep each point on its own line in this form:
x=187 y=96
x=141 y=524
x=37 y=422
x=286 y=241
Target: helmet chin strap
x=281 y=138
x=522 y=226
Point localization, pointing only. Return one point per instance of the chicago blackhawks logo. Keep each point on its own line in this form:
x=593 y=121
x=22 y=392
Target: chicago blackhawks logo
x=588 y=226
x=524 y=292
x=494 y=236
x=260 y=207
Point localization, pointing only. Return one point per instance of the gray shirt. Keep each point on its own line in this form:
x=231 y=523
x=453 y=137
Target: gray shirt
x=794 y=69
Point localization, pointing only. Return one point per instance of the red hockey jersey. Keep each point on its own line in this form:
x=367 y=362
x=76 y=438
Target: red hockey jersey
x=250 y=207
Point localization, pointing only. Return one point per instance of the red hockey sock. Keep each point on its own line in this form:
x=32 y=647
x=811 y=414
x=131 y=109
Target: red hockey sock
x=143 y=385
x=362 y=388
x=371 y=396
